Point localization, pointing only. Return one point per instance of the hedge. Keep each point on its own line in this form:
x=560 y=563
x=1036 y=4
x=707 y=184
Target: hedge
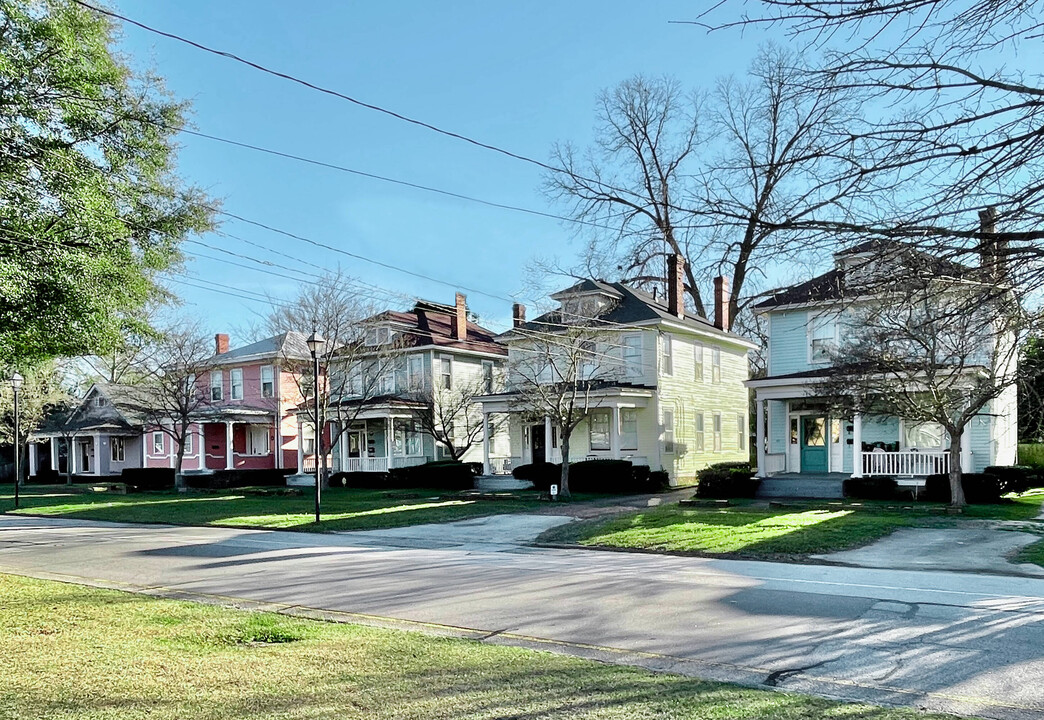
x=223 y=479
x=727 y=480
x=1032 y=455
x=979 y=488
x=442 y=475
x=1016 y=478
x=595 y=476
x=144 y=479
x=871 y=488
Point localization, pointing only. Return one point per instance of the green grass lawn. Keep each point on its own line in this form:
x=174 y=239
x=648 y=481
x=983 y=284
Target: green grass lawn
x=75 y=652
x=790 y=533
x=342 y=509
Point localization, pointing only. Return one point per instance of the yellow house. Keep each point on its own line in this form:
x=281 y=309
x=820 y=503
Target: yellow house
x=661 y=386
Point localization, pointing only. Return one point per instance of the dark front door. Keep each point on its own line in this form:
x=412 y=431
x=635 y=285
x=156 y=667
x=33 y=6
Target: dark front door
x=354 y=444
x=536 y=435
x=813 y=444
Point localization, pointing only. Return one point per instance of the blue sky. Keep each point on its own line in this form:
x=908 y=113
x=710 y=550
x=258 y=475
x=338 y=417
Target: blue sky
x=520 y=76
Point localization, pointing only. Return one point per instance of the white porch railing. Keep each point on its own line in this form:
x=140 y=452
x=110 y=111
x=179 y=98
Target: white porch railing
x=775 y=463
x=502 y=465
x=365 y=464
x=905 y=463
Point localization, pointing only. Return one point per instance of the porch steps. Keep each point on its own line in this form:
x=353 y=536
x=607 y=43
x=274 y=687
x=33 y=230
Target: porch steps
x=802 y=486
x=500 y=482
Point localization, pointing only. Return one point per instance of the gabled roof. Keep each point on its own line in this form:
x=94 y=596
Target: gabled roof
x=632 y=307
x=118 y=413
x=428 y=325
x=289 y=345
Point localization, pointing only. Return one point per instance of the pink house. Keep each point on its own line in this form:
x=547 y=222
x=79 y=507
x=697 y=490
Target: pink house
x=245 y=422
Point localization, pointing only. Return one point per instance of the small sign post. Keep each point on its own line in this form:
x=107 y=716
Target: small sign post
x=554 y=492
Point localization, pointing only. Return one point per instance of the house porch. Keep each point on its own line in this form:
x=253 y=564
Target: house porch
x=380 y=439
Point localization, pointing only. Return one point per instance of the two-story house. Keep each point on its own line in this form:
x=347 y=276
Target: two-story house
x=797 y=429
x=663 y=388
x=408 y=367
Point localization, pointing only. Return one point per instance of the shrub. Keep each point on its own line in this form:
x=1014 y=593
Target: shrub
x=442 y=475
x=1015 y=478
x=871 y=488
x=47 y=476
x=542 y=475
x=223 y=479
x=367 y=480
x=1032 y=455
x=602 y=476
x=727 y=480
x=659 y=480
x=144 y=479
x=979 y=488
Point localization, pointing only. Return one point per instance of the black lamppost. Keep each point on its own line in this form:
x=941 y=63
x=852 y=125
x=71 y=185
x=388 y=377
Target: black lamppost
x=315 y=343
x=16 y=385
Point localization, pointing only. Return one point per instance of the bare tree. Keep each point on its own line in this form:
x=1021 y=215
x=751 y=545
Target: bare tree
x=452 y=417
x=354 y=368
x=167 y=397
x=930 y=342
x=725 y=182
x=556 y=373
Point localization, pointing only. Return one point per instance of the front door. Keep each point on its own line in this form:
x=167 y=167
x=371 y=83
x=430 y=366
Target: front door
x=537 y=439
x=355 y=443
x=85 y=456
x=813 y=444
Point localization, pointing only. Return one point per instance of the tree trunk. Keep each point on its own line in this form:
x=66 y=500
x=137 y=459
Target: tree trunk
x=179 y=483
x=563 y=488
x=956 y=486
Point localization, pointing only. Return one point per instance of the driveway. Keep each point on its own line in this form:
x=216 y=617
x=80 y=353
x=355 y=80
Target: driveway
x=964 y=643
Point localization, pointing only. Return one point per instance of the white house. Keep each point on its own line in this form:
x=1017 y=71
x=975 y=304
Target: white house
x=665 y=385
x=796 y=430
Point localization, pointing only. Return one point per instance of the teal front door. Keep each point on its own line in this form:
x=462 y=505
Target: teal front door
x=813 y=444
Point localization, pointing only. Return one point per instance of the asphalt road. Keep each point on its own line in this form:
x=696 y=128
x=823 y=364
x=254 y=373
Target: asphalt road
x=966 y=643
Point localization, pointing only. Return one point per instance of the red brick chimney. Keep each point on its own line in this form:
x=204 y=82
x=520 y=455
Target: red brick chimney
x=460 y=320
x=518 y=315
x=676 y=285
x=992 y=250
x=220 y=344
x=721 y=303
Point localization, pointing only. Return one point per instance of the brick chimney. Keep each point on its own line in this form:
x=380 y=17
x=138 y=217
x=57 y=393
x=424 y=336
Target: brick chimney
x=460 y=319
x=220 y=344
x=721 y=303
x=676 y=285
x=992 y=250
x=518 y=315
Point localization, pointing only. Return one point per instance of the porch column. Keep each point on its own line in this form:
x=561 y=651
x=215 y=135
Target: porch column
x=857 y=445
x=388 y=430
x=759 y=423
x=966 y=453
x=229 y=462
x=171 y=453
x=547 y=439
x=33 y=459
x=614 y=432
x=54 y=455
x=486 y=468
x=97 y=454
x=71 y=451
x=300 y=446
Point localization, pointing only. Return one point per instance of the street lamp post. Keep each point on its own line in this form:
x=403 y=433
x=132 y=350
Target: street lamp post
x=16 y=385
x=315 y=343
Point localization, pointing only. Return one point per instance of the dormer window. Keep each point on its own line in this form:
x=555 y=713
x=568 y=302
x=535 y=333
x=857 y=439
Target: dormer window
x=584 y=307
x=822 y=338
x=378 y=336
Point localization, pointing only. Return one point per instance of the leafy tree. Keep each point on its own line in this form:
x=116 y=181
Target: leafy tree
x=91 y=210
x=1031 y=391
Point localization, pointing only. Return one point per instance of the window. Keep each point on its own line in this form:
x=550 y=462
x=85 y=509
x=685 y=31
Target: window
x=741 y=431
x=190 y=386
x=487 y=377
x=308 y=439
x=632 y=355
x=415 y=372
x=446 y=373
x=257 y=440
x=668 y=431
x=793 y=431
x=697 y=361
x=717 y=432
x=821 y=339
x=116 y=449
x=217 y=387
x=407 y=438
x=157 y=443
x=599 y=429
x=355 y=382
x=188 y=442
x=628 y=429
x=99 y=401
x=666 y=355
x=267 y=381
x=716 y=365
x=699 y=432
x=235 y=382
x=835 y=431
x=923 y=436
x=378 y=336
